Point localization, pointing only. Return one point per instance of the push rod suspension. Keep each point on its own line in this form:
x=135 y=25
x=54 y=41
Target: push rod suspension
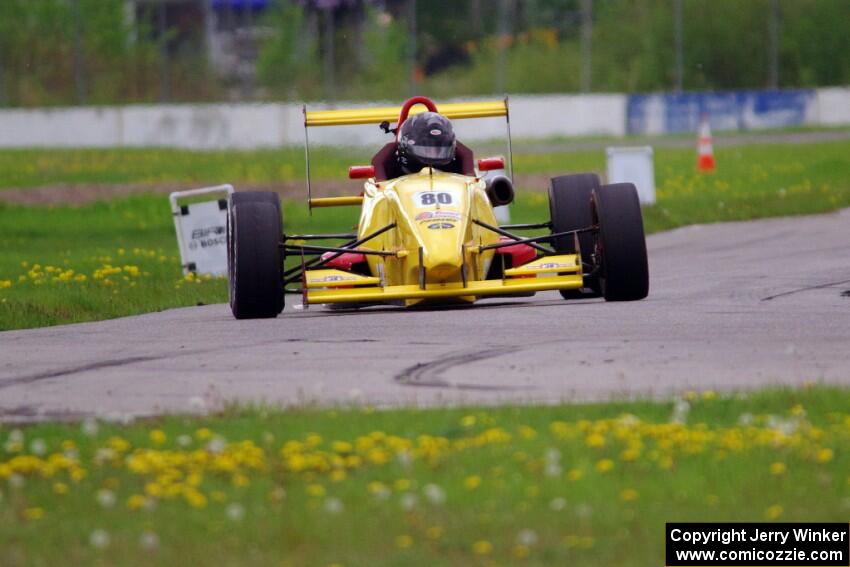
x=319 y=237
x=516 y=239
x=292 y=274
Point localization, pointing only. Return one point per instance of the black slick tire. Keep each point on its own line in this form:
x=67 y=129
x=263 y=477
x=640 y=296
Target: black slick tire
x=570 y=209
x=255 y=258
x=621 y=246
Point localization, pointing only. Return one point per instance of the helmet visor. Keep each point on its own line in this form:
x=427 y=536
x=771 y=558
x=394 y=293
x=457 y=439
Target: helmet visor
x=433 y=155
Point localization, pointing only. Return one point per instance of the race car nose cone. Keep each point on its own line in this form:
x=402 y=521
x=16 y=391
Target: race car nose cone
x=443 y=273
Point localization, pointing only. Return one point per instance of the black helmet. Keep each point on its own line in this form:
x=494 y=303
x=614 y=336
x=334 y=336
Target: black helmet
x=427 y=138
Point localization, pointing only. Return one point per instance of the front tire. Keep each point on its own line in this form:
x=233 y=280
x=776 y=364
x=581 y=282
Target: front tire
x=569 y=209
x=255 y=258
x=621 y=243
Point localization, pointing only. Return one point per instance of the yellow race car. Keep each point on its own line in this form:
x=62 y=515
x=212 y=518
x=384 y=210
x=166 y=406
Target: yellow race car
x=428 y=231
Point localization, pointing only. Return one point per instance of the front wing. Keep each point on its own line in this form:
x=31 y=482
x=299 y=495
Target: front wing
x=543 y=274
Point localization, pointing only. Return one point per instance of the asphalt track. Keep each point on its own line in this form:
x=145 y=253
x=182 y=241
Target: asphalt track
x=731 y=306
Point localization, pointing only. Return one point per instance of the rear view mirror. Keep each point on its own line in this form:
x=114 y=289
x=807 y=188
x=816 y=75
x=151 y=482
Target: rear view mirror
x=491 y=164
x=361 y=171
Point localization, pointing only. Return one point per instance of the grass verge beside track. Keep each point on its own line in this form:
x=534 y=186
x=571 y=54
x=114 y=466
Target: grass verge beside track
x=575 y=484
x=119 y=257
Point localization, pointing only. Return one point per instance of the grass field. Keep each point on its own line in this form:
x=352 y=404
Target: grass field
x=579 y=485
x=119 y=257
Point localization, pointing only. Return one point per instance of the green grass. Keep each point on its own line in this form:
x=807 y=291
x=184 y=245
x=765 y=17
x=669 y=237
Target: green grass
x=751 y=182
x=573 y=484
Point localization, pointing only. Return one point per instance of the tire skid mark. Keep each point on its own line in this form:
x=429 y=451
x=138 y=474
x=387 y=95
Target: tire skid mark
x=802 y=289
x=113 y=363
x=126 y=361
x=429 y=374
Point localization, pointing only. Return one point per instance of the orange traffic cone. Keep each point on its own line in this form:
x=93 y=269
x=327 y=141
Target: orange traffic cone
x=705 y=149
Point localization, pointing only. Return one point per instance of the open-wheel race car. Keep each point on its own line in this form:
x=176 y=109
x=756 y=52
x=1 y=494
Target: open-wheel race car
x=428 y=233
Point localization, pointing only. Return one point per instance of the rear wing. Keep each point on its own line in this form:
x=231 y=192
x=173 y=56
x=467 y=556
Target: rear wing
x=454 y=111
x=378 y=115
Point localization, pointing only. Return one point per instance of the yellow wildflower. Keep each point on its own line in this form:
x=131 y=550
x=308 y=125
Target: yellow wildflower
x=595 y=440
x=527 y=432
x=403 y=541
x=629 y=495
x=136 y=501
x=777 y=468
x=520 y=551
x=604 y=465
x=195 y=499
x=203 y=434
x=824 y=455
x=472 y=482
x=482 y=547
x=773 y=512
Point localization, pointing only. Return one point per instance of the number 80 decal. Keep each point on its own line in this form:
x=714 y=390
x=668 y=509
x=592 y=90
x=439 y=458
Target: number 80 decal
x=431 y=198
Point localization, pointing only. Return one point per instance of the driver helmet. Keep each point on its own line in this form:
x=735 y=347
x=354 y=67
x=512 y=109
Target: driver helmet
x=427 y=138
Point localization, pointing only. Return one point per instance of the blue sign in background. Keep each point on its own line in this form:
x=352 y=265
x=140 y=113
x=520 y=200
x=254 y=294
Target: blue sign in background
x=734 y=110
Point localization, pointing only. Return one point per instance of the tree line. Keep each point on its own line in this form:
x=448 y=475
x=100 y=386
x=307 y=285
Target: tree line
x=63 y=52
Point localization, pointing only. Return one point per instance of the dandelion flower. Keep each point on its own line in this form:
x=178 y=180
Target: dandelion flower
x=526 y=538
x=106 y=498
x=403 y=541
x=333 y=506
x=408 y=501
x=629 y=495
x=777 y=468
x=773 y=512
x=158 y=437
x=824 y=455
x=136 y=502
x=235 y=512
x=520 y=551
x=99 y=539
x=149 y=541
x=482 y=547
x=434 y=494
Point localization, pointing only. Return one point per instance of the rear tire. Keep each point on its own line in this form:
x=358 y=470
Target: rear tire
x=255 y=258
x=569 y=209
x=621 y=244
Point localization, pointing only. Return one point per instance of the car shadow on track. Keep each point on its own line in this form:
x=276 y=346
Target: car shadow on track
x=383 y=309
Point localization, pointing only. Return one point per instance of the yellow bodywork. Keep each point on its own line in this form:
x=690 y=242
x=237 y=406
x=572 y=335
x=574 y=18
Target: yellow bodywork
x=432 y=212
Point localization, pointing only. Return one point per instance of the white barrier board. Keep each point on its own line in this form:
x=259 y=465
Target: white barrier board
x=633 y=165
x=202 y=230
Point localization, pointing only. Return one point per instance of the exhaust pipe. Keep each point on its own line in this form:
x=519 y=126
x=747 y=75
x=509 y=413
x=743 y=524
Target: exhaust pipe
x=500 y=190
